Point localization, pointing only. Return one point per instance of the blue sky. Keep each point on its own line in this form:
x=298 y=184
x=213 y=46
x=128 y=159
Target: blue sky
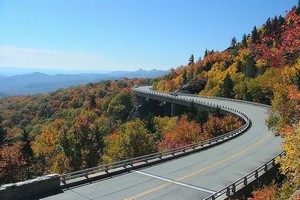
x=109 y=35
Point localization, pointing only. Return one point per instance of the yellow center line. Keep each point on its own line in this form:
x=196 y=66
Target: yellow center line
x=198 y=171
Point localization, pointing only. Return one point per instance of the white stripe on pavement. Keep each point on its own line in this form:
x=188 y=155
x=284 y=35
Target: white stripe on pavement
x=176 y=182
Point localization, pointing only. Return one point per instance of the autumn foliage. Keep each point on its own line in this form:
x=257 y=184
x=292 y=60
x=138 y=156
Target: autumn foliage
x=246 y=70
x=82 y=127
x=12 y=163
x=61 y=131
x=264 y=67
x=184 y=133
x=189 y=132
x=131 y=140
x=85 y=126
x=267 y=193
x=284 y=118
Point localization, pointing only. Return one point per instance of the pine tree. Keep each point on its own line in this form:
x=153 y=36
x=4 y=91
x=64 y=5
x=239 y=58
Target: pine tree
x=281 y=21
x=191 y=74
x=254 y=35
x=251 y=69
x=191 y=60
x=233 y=42
x=246 y=94
x=27 y=152
x=206 y=53
x=244 y=41
x=268 y=27
x=227 y=87
x=191 y=112
x=202 y=117
x=184 y=77
x=92 y=101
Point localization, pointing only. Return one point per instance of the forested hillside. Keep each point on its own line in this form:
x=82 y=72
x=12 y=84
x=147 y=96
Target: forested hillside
x=60 y=131
x=249 y=69
x=264 y=67
x=87 y=125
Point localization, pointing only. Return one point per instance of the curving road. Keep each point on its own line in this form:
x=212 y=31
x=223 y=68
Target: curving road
x=195 y=176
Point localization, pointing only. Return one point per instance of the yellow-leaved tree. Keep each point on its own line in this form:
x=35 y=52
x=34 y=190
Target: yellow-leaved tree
x=290 y=164
x=131 y=140
x=46 y=147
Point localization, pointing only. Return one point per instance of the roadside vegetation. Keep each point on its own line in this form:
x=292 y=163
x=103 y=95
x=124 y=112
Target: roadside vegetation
x=263 y=67
x=88 y=125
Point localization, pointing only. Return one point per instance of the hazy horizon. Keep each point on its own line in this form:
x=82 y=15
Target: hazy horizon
x=124 y=35
x=12 y=71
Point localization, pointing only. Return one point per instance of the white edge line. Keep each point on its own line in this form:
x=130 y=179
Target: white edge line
x=176 y=182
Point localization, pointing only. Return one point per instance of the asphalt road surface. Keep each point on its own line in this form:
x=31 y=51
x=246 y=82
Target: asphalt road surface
x=190 y=177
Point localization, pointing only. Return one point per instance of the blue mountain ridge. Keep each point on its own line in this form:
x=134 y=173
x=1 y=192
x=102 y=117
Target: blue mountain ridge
x=37 y=82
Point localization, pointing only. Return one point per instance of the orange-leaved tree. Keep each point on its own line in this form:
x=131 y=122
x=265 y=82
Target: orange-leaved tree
x=184 y=133
x=12 y=163
x=290 y=164
x=48 y=150
x=267 y=193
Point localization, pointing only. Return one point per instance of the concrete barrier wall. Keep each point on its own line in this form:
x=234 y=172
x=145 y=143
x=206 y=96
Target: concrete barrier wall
x=30 y=188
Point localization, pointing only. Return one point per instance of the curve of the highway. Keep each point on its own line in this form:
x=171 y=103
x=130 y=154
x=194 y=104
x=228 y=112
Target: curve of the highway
x=195 y=176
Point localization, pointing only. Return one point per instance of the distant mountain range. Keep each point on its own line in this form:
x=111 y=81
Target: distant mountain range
x=37 y=82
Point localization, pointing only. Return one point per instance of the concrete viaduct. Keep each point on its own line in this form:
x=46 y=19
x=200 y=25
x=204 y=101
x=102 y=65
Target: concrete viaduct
x=215 y=169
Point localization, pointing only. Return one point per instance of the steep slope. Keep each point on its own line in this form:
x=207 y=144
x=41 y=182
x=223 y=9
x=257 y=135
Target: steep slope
x=247 y=69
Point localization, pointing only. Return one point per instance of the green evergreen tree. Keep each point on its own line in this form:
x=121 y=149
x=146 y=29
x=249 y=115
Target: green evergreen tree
x=27 y=152
x=251 y=69
x=239 y=66
x=191 y=112
x=2 y=133
x=92 y=101
x=268 y=27
x=233 y=43
x=149 y=122
x=281 y=20
x=191 y=60
x=245 y=94
x=275 y=25
x=254 y=35
x=184 y=77
x=217 y=112
x=191 y=74
x=202 y=117
x=244 y=41
x=227 y=87
x=206 y=53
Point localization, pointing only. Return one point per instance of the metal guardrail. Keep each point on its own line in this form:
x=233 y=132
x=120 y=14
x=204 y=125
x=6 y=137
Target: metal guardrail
x=225 y=108
x=137 y=162
x=207 y=97
x=232 y=188
x=245 y=180
x=228 y=99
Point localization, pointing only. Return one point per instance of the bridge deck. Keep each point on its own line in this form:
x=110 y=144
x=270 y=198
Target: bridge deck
x=195 y=176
